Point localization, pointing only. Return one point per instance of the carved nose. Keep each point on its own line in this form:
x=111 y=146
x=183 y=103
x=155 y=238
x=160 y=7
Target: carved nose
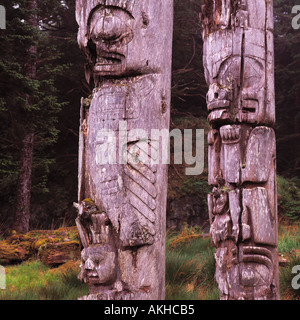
x=89 y=264
x=212 y=93
x=216 y=92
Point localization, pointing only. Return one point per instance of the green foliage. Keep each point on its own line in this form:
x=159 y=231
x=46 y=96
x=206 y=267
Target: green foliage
x=289 y=238
x=47 y=104
x=65 y=286
x=31 y=103
x=194 y=185
x=288 y=198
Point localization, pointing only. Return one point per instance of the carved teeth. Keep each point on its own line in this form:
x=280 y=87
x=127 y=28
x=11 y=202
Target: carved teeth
x=230 y=133
x=218 y=104
x=108 y=61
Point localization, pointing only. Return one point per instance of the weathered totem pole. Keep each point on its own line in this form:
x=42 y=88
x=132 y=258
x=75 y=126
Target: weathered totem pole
x=122 y=192
x=239 y=69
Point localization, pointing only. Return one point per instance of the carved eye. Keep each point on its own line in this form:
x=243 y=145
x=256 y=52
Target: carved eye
x=111 y=28
x=114 y=40
x=84 y=255
x=253 y=75
x=107 y=222
x=229 y=71
x=99 y=39
x=98 y=259
x=121 y=40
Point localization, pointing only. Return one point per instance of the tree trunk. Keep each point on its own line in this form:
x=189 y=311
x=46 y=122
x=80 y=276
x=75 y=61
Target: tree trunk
x=122 y=185
x=22 y=213
x=239 y=69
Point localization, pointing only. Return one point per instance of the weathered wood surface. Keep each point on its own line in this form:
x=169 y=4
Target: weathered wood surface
x=239 y=69
x=122 y=204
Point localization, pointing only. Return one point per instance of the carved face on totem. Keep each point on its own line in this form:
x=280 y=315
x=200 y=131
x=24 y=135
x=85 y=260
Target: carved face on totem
x=97 y=265
x=110 y=31
x=236 y=64
x=120 y=38
x=220 y=201
x=237 y=88
x=98 y=256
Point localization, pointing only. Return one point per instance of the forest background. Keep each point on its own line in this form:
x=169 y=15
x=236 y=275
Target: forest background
x=42 y=82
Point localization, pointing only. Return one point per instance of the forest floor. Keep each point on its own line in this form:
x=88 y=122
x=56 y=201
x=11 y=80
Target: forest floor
x=190 y=271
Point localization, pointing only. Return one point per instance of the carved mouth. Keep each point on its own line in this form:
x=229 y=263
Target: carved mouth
x=218 y=109
x=109 y=63
x=218 y=104
x=92 y=275
x=218 y=115
x=102 y=61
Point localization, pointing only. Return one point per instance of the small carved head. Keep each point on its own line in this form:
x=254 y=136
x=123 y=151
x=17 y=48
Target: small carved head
x=98 y=255
x=110 y=31
x=97 y=265
x=220 y=201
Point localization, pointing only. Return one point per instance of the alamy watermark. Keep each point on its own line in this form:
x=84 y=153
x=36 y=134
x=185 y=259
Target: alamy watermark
x=296 y=19
x=2 y=278
x=296 y=279
x=150 y=147
x=2 y=17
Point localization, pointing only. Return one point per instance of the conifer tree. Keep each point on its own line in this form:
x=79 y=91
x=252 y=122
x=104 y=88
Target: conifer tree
x=29 y=102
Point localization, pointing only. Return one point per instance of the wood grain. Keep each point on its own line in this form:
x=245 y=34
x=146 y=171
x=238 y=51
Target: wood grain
x=238 y=57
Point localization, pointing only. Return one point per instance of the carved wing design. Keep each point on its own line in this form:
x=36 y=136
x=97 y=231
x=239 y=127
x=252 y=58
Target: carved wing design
x=141 y=192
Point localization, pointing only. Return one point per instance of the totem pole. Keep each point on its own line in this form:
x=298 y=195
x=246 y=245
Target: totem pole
x=239 y=69
x=122 y=185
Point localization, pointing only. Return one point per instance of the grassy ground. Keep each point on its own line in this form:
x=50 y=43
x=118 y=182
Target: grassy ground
x=289 y=247
x=190 y=271
x=190 y=266
x=32 y=280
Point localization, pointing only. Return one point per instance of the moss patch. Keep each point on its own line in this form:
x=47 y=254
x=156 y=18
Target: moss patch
x=19 y=247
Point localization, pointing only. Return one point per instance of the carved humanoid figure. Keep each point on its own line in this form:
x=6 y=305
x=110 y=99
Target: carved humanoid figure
x=130 y=62
x=98 y=255
x=238 y=61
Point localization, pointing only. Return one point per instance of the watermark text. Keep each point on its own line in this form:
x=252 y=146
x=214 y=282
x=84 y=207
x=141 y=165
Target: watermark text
x=296 y=279
x=2 y=278
x=296 y=19
x=2 y=17
x=151 y=147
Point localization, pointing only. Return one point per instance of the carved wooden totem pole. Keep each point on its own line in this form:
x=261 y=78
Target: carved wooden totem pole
x=239 y=69
x=122 y=185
